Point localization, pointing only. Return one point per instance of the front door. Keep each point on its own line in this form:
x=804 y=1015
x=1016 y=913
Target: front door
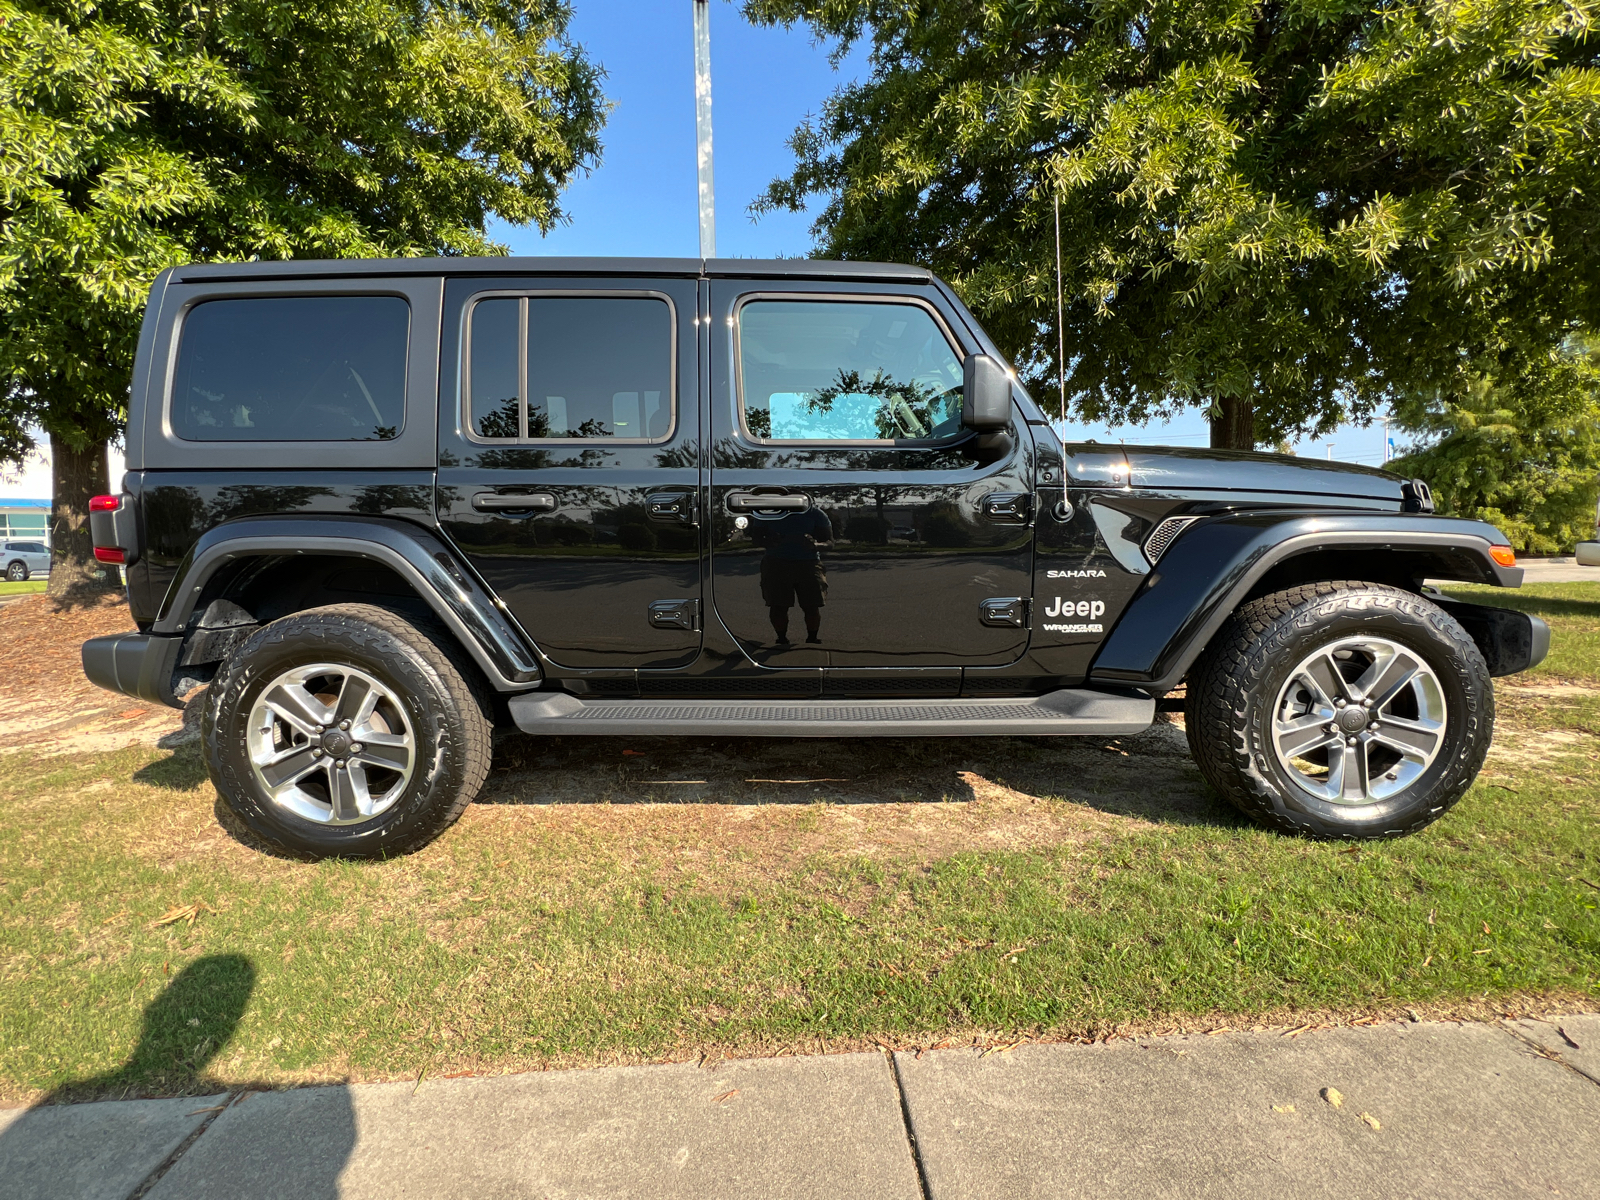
x=569 y=468
x=853 y=521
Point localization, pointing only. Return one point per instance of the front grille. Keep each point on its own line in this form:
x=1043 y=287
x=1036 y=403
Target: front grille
x=1165 y=534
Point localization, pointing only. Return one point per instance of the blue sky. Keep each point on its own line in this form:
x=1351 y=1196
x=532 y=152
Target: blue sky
x=641 y=200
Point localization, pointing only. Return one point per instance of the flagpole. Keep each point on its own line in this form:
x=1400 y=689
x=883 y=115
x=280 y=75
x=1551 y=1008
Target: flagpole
x=702 y=122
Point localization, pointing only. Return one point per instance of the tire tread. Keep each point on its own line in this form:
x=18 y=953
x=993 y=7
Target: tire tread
x=1257 y=635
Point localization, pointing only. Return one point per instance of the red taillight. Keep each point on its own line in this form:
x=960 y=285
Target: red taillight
x=1504 y=555
x=105 y=503
x=109 y=554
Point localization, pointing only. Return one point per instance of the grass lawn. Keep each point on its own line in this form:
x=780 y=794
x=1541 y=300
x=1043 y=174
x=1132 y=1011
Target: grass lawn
x=616 y=900
x=25 y=588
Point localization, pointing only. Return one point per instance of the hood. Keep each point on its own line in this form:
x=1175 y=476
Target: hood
x=1185 y=469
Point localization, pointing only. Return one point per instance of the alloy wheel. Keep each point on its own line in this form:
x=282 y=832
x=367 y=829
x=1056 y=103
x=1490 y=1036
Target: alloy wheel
x=331 y=744
x=1359 y=720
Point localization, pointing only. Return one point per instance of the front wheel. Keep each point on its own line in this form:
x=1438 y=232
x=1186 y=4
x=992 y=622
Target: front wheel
x=345 y=731
x=1342 y=710
x=17 y=572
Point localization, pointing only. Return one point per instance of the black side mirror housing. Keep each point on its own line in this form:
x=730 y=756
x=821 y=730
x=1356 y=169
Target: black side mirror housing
x=985 y=394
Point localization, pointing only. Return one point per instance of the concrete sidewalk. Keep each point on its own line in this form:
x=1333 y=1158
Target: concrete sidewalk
x=1428 y=1110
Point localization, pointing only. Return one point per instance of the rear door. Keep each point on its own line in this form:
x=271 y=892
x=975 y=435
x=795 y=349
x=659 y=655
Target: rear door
x=853 y=522
x=569 y=463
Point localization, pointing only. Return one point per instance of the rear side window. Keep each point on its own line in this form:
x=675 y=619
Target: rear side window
x=292 y=369
x=837 y=371
x=547 y=368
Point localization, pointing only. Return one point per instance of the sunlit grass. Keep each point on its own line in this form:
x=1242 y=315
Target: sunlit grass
x=518 y=942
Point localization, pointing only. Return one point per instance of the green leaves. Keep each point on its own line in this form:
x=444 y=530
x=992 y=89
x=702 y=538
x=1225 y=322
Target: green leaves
x=138 y=134
x=1518 y=445
x=1312 y=207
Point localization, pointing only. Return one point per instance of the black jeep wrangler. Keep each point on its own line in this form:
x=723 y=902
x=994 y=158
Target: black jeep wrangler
x=382 y=507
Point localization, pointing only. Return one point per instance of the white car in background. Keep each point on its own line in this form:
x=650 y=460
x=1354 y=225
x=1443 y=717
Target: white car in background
x=24 y=560
x=1589 y=552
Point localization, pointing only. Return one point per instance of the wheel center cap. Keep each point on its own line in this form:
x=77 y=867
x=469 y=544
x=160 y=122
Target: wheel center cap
x=1352 y=719
x=336 y=742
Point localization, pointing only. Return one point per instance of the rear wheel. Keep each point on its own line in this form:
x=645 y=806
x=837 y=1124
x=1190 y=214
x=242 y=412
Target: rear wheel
x=17 y=572
x=345 y=731
x=1343 y=710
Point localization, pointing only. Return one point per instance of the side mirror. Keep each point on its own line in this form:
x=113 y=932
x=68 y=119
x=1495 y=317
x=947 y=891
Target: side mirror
x=985 y=394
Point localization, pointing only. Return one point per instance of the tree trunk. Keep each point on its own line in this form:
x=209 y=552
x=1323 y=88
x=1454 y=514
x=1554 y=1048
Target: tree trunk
x=77 y=475
x=1234 y=426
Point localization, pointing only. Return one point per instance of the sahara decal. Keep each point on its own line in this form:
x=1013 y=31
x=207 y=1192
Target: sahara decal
x=1086 y=573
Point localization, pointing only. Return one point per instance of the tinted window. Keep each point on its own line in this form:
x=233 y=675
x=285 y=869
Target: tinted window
x=596 y=367
x=827 y=370
x=493 y=369
x=292 y=369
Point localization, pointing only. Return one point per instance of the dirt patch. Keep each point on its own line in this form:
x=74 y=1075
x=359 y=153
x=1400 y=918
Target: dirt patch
x=727 y=813
x=1549 y=689
x=722 y=814
x=46 y=703
x=1524 y=748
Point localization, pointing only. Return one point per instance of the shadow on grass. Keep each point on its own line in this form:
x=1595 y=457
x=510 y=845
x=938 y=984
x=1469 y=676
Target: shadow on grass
x=1538 y=606
x=58 y=1151
x=183 y=1029
x=1146 y=777
x=181 y=771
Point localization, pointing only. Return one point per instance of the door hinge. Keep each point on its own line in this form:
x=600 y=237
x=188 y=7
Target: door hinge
x=675 y=614
x=1005 y=612
x=672 y=506
x=1012 y=508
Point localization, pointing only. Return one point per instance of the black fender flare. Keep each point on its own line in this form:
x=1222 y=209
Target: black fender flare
x=445 y=583
x=1209 y=570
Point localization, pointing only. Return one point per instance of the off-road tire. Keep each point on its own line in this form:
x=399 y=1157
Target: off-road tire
x=445 y=701
x=17 y=572
x=1234 y=685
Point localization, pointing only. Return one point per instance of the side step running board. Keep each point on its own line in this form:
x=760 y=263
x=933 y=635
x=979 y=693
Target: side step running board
x=1087 y=711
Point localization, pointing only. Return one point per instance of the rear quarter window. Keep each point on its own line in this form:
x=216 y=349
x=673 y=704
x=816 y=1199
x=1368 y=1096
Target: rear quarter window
x=292 y=369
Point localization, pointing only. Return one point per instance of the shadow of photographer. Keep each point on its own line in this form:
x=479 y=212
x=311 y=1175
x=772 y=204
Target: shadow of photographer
x=67 y=1145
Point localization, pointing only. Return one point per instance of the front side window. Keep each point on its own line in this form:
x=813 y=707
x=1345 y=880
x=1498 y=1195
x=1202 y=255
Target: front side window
x=292 y=369
x=556 y=367
x=834 y=370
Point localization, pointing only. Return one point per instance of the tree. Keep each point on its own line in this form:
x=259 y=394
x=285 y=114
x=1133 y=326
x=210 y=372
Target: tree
x=1520 y=449
x=1287 y=212
x=138 y=134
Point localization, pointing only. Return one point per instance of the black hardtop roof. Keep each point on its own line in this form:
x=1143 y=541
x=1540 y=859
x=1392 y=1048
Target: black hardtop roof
x=694 y=268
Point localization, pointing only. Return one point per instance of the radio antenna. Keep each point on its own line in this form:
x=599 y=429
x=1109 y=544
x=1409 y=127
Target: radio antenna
x=1061 y=331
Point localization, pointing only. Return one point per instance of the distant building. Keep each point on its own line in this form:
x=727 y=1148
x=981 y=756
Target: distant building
x=25 y=518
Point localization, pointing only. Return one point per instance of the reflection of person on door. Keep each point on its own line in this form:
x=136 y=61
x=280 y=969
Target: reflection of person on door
x=791 y=569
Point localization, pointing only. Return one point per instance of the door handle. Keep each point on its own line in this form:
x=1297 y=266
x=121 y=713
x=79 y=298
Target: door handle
x=505 y=502
x=1011 y=507
x=754 y=502
x=671 y=506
